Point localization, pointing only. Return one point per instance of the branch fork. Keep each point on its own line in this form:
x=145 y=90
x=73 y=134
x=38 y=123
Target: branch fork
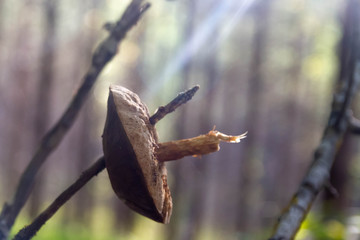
x=106 y=50
x=173 y=150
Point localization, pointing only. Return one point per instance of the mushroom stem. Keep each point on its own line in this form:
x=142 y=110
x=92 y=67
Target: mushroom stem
x=197 y=146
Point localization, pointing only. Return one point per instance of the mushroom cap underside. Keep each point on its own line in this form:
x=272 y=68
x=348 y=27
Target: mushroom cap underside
x=129 y=141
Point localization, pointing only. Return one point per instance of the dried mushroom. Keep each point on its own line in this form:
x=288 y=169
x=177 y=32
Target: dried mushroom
x=135 y=160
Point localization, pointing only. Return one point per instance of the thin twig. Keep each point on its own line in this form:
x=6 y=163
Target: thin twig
x=318 y=174
x=181 y=98
x=103 y=54
x=29 y=231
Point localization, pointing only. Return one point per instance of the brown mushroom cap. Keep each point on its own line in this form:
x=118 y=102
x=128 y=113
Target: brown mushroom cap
x=129 y=142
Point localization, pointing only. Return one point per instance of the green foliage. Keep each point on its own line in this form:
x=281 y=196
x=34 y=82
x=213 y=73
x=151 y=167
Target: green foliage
x=100 y=227
x=59 y=229
x=208 y=233
x=314 y=228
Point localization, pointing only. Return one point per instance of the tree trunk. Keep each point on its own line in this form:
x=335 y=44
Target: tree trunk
x=43 y=101
x=254 y=123
x=179 y=186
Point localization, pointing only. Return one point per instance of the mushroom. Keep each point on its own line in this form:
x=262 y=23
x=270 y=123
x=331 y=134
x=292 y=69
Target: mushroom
x=135 y=159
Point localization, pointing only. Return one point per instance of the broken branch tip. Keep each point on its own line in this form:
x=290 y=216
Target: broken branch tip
x=227 y=138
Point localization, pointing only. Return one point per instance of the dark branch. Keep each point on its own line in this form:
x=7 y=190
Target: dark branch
x=182 y=98
x=103 y=54
x=30 y=230
x=317 y=176
x=354 y=125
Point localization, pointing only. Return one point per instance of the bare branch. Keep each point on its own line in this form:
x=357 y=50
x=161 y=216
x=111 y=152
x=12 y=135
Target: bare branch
x=30 y=230
x=103 y=54
x=181 y=98
x=317 y=176
x=354 y=125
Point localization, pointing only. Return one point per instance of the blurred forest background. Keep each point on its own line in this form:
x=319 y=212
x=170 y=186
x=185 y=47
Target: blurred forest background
x=264 y=66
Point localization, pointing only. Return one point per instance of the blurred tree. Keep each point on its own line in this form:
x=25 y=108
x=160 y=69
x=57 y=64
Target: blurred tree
x=250 y=79
x=339 y=176
x=85 y=144
x=18 y=71
x=181 y=222
x=1 y=19
x=44 y=94
x=249 y=202
x=291 y=108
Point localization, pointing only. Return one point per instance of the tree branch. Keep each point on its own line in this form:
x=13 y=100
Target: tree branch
x=181 y=98
x=354 y=125
x=316 y=178
x=30 y=230
x=103 y=54
x=318 y=174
